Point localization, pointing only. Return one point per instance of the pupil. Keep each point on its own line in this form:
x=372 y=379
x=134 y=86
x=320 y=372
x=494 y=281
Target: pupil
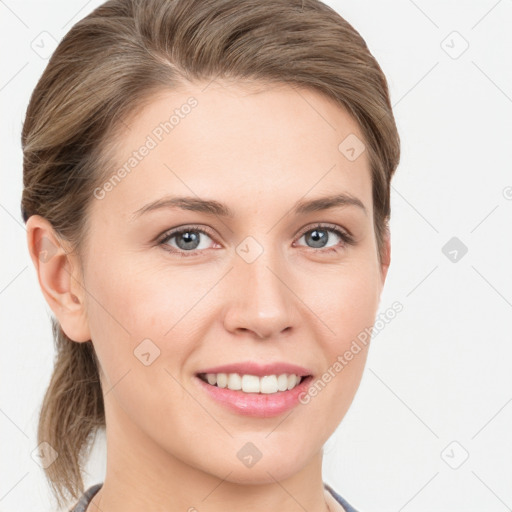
x=318 y=240
x=189 y=238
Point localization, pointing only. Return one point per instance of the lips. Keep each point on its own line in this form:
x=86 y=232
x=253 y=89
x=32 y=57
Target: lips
x=258 y=369
x=263 y=403
x=256 y=405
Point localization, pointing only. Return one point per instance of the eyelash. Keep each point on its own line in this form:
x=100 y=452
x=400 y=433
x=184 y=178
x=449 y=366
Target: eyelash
x=346 y=238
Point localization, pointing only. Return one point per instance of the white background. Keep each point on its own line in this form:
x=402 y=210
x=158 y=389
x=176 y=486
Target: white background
x=440 y=372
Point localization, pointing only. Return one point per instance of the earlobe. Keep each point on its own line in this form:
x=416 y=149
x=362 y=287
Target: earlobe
x=59 y=277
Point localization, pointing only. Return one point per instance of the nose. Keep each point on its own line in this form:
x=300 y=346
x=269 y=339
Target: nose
x=260 y=301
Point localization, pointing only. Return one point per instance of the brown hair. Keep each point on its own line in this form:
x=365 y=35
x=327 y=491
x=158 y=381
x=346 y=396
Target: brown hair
x=106 y=68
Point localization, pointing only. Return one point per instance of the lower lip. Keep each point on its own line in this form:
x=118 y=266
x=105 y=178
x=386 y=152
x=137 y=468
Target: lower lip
x=260 y=405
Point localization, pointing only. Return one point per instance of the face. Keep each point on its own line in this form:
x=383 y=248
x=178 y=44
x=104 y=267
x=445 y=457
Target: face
x=273 y=284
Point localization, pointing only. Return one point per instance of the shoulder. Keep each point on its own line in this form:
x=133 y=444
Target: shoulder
x=86 y=498
x=340 y=499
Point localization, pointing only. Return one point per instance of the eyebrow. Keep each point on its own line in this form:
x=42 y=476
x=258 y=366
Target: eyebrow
x=212 y=207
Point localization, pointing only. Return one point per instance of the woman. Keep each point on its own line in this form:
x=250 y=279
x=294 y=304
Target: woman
x=207 y=197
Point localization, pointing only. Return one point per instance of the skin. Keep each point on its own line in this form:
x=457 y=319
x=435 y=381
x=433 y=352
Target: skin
x=259 y=150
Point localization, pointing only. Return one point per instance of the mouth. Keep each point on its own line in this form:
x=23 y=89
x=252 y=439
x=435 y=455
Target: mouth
x=265 y=396
x=246 y=383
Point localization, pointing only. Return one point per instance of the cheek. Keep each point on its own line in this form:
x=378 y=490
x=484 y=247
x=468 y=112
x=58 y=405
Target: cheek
x=132 y=297
x=350 y=315
x=345 y=301
x=134 y=309
x=128 y=322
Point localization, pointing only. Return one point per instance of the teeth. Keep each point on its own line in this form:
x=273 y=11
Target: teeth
x=250 y=384
x=292 y=381
x=222 y=380
x=234 y=381
x=282 y=382
x=267 y=384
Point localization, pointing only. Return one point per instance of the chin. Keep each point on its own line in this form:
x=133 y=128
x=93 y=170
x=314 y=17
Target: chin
x=263 y=465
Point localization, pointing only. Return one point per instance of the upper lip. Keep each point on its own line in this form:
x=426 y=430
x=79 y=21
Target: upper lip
x=253 y=368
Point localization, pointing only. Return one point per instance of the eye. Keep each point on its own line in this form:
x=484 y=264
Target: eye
x=318 y=236
x=188 y=240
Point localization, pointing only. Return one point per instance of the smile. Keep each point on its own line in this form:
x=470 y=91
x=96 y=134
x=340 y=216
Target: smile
x=258 y=397
x=268 y=384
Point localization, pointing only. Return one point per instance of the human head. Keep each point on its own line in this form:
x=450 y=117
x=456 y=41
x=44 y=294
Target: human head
x=108 y=68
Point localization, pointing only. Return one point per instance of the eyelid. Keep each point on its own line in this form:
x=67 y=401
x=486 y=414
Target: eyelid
x=343 y=233
x=180 y=229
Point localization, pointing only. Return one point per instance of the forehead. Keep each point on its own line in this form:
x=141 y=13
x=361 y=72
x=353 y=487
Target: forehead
x=262 y=144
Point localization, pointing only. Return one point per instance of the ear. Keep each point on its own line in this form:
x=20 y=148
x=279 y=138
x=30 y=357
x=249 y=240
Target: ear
x=386 y=254
x=59 y=276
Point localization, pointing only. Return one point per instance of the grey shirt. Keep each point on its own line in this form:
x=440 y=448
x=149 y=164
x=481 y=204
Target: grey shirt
x=87 y=496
